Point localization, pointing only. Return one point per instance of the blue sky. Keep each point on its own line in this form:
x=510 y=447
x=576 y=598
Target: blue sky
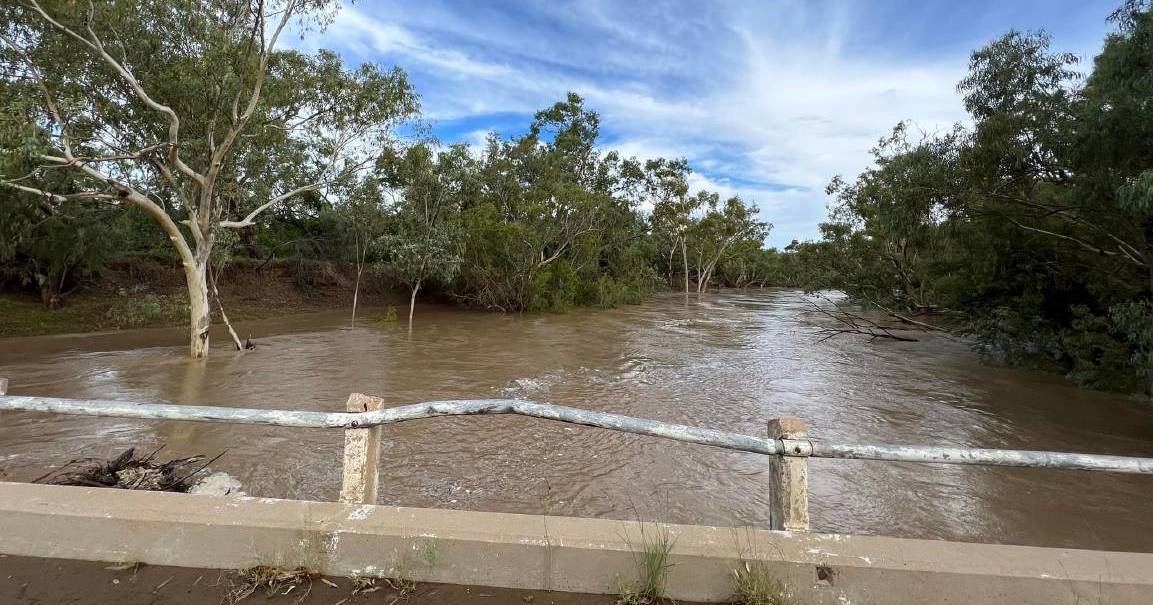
x=766 y=99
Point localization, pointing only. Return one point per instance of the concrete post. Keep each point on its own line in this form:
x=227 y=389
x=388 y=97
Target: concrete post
x=361 y=455
x=3 y=386
x=789 y=478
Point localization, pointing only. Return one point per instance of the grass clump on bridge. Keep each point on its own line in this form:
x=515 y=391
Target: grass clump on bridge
x=653 y=565
x=756 y=586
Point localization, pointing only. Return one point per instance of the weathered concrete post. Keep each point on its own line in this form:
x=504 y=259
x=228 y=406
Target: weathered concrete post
x=789 y=477
x=361 y=455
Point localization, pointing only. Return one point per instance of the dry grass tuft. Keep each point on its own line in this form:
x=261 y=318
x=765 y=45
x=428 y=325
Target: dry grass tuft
x=273 y=581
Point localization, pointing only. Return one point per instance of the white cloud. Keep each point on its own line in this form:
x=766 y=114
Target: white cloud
x=370 y=34
x=768 y=94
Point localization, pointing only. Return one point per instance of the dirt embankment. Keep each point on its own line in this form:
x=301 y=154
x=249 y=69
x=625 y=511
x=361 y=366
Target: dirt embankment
x=143 y=292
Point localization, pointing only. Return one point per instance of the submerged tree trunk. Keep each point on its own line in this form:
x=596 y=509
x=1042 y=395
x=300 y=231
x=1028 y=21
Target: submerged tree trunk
x=412 y=302
x=355 y=294
x=196 y=275
x=356 y=288
x=685 y=258
x=49 y=291
x=700 y=269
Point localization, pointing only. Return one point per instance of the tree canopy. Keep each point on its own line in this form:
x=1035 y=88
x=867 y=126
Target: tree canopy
x=1032 y=229
x=127 y=116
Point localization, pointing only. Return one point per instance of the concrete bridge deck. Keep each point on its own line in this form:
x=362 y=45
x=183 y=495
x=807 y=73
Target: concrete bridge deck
x=543 y=552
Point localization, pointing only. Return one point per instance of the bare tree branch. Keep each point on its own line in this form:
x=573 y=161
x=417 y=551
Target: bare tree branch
x=94 y=44
x=850 y=323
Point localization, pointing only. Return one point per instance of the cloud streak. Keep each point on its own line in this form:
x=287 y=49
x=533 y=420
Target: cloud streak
x=766 y=100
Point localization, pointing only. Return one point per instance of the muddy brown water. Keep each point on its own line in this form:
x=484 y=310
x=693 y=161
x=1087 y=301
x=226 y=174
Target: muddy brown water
x=726 y=361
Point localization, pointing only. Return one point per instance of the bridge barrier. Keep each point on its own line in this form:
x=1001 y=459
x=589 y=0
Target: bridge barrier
x=356 y=537
x=787 y=443
x=547 y=553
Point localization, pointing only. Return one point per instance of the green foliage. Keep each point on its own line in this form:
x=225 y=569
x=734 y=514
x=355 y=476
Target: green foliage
x=653 y=565
x=547 y=222
x=423 y=242
x=196 y=124
x=187 y=112
x=388 y=317
x=757 y=586
x=52 y=247
x=150 y=309
x=1133 y=323
x=1098 y=356
x=1033 y=228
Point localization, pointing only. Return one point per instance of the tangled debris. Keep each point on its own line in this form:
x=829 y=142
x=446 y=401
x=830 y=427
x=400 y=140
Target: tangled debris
x=273 y=581
x=127 y=471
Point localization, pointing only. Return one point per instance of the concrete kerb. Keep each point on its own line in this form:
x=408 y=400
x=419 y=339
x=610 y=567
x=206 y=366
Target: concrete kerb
x=539 y=552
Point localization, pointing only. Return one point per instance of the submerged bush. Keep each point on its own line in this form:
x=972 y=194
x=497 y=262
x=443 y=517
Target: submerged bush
x=147 y=310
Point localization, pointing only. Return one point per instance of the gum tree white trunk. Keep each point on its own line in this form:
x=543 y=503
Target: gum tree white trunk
x=412 y=302
x=201 y=209
x=685 y=258
x=359 y=269
x=196 y=275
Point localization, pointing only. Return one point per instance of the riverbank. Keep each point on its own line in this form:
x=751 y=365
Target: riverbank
x=150 y=293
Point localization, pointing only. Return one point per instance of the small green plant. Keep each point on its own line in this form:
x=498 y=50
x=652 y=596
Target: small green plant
x=756 y=586
x=754 y=583
x=388 y=317
x=653 y=565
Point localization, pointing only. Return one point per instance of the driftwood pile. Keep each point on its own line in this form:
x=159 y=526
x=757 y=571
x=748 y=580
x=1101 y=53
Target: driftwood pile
x=127 y=471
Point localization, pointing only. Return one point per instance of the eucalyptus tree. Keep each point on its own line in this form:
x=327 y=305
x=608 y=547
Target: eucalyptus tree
x=1031 y=229
x=663 y=185
x=424 y=243
x=546 y=199
x=1114 y=151
x=362 y=218
x=900 y=216
x=186 y=111
x=722 y=226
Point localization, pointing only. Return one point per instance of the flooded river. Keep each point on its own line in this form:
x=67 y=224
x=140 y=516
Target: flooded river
x=725 y=361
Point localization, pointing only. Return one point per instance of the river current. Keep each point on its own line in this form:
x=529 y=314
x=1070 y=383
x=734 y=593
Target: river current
x=728 y=361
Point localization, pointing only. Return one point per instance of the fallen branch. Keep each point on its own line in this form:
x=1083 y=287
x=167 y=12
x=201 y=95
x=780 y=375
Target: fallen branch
x=919 y=324
x=850 y=323
x=223 y=316
x=904 y=318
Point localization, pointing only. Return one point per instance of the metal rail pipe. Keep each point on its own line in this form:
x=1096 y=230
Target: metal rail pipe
x=404 y=413
x=640 y=426
x=984 y=457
